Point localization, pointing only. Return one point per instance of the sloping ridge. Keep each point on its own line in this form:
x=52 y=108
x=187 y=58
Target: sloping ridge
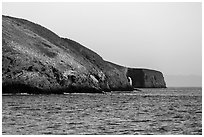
x=36 y=60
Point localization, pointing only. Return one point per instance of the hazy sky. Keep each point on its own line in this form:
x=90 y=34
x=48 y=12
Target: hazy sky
x=162 y=36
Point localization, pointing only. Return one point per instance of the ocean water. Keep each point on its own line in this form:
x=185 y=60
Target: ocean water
x=169 y=111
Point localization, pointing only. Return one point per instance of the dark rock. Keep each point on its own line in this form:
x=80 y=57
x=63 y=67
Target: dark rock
x=117 y=78
x=35 y=60
x=145 y=78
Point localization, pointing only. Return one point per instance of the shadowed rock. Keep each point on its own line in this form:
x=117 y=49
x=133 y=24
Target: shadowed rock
x=145 y=78
x=36 y=60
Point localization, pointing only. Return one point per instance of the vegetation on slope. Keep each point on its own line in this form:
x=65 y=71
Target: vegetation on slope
x=37 y=60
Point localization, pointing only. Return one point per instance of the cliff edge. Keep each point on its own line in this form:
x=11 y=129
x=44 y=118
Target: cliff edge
x=146 y=78
x=36 y=60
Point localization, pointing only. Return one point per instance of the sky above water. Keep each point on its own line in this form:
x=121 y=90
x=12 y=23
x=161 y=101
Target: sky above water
x=161 y=36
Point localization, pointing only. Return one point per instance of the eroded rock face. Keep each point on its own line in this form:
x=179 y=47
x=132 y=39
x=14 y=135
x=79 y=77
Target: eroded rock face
x=145 y=78
x=35 y=60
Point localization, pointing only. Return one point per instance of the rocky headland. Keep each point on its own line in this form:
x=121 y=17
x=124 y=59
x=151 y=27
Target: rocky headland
x=36 y=60
x=146 y=78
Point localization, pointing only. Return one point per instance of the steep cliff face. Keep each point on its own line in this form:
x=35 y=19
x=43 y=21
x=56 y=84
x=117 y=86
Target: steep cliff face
x=145 y=78
x=115 y=75
x=36 y=60
x=117 y=78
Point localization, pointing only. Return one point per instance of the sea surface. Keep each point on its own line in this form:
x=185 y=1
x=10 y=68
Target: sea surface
x=169 y=111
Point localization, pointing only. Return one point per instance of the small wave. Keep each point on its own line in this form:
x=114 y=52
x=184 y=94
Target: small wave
x=93 y=94
x=14 y=94
x=7 y=94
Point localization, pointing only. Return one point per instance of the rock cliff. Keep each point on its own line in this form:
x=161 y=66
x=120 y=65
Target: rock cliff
x=36 y=60
x=145 y=78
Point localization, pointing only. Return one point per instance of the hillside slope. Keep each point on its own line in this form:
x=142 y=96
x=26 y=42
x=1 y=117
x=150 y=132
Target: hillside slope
x=35 y=60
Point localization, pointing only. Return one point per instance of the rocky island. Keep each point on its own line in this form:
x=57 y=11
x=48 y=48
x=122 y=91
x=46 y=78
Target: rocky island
x=36 y=60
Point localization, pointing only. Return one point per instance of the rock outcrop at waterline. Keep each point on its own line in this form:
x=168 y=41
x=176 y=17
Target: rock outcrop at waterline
x=36 y=60
x=145 y=78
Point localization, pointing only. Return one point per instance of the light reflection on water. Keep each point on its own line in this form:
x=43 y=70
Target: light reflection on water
x=152 y=111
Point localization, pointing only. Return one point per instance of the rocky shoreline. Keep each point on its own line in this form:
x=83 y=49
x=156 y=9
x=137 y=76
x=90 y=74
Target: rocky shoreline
x=36 y=60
